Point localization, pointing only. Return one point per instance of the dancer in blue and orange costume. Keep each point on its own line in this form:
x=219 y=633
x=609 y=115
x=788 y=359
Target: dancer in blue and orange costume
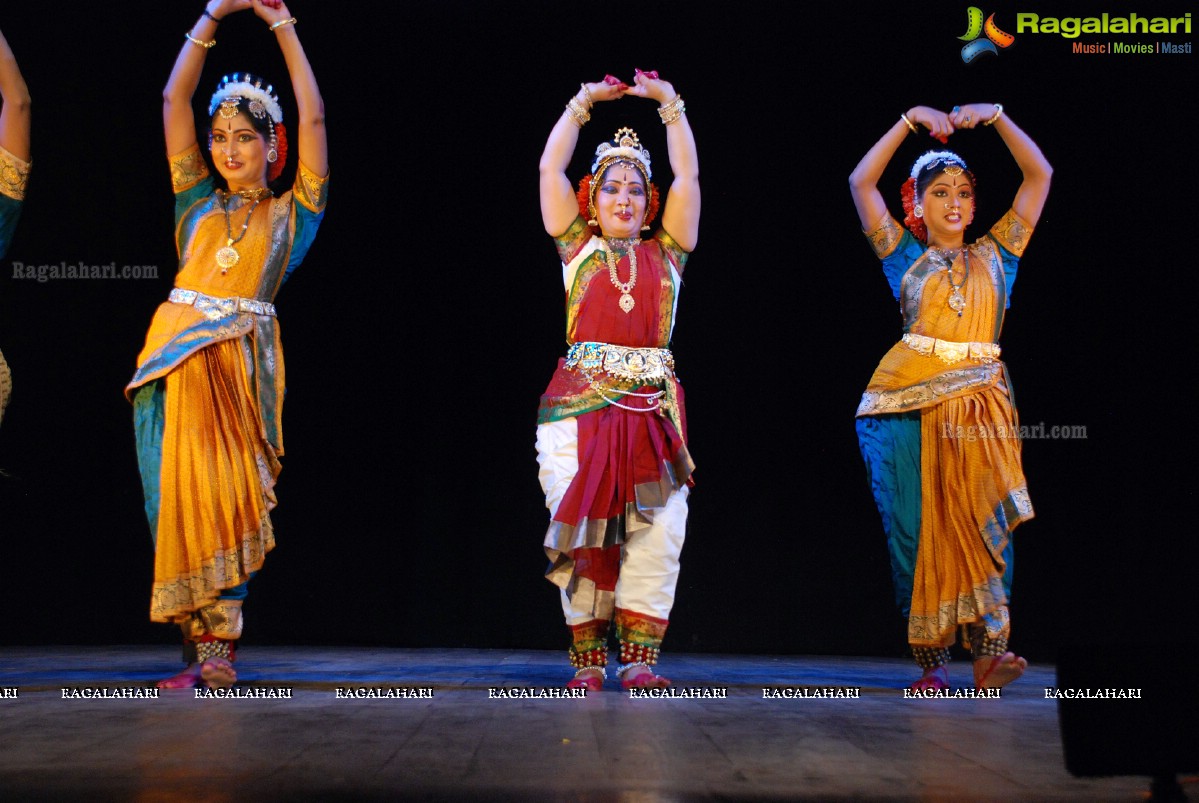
x=936 y=424
x=208 y=390
x=611 y=428
x=14 y=167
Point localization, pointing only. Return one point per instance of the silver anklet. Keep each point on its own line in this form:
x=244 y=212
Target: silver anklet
x=622 y=668
x=603 y=670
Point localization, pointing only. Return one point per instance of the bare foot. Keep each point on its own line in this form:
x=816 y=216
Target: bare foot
x=218 y=673
x=591 y=679
x=935 y=679
x=997 y=672
x=640 y=677
x=187 y=679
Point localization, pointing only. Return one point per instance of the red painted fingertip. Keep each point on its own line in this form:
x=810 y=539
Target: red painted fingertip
x=612 y=80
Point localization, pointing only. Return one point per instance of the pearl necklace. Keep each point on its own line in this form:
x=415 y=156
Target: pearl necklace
x=626 y=288
x=227 y=257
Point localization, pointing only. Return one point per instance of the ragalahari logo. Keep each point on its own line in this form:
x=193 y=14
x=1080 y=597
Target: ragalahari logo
x=976 y=46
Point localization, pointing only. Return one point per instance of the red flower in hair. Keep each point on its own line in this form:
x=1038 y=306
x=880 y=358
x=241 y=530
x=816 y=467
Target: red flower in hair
x=276 y=167
x=914 y=224
x=584 y=196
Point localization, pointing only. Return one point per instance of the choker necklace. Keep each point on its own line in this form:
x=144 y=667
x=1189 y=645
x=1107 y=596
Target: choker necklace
x=227 y=257
x=625 y=288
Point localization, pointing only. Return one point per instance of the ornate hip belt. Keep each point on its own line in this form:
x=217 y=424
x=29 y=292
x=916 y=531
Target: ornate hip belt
x=950 y=352
x=644 y=366
x=216 y=308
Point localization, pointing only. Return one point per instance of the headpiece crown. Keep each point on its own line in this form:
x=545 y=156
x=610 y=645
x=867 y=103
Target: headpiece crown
x=240 y=87
x=933 y=159
x=624 y=147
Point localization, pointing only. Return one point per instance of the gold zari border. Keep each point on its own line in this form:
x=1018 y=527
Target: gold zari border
x=176 y=599
x=930 y=391
x=188 y=169
x=884 y=238
x=14 y=175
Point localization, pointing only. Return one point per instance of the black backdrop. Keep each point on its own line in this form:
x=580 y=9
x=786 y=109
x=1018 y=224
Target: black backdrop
x=427 y=318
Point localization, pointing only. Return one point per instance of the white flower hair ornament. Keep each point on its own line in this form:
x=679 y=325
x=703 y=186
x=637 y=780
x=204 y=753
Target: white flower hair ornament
x=932 y=158
x=260 y=102
x=624 y=147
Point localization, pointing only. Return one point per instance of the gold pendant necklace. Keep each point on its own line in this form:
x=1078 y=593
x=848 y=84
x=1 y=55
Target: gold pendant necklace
x=626 y=288
x=956 y=301
x=227 y=257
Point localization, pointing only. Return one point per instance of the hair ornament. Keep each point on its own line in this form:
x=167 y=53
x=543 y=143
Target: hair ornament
x=624 y=147
x=954 y=164
x=260 y=102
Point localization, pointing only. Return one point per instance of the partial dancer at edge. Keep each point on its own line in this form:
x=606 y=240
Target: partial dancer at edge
x=208 y=391
x=611 y=425
x=14 y=167
x=936 y=425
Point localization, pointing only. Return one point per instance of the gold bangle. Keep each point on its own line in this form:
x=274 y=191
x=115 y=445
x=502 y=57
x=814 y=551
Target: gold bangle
x=904 y=117
x=199 y=42
x=672 y=111
x=281 y=23
x=587 y=94
x=996 y=116
x=578 y=115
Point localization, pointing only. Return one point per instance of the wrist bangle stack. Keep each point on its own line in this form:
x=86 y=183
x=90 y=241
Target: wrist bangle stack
x=579 y=115
x=672 y=111
x=214 y=19
x=199 y=42
x=996 y=116
x=277 y=25
x=910 y=125
x=587 y=94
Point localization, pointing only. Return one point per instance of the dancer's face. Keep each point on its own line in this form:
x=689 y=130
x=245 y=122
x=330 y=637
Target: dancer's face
x=239 y=152
x=948 y=208
x=621 y=201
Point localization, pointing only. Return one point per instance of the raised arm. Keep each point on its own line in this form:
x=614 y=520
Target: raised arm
x=178 y=122
x=311 y=140
x=559 y=207
x=1034 y=189
x=680 y=211
x=14 y=113
x=863 y=181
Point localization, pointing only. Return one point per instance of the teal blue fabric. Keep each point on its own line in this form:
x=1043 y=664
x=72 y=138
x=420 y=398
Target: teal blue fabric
x=188 y=198
x=896 y=264
x=148 y=421
x=10 y=211
x=307 y=223
x=909 y=249
x=890 y=445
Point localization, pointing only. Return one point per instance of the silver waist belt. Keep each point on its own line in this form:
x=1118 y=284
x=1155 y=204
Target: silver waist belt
x=649 y=365
x=950 y=352
x=215 y=308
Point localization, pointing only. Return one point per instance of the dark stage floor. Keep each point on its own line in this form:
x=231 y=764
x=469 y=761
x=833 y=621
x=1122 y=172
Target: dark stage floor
x=463 y=743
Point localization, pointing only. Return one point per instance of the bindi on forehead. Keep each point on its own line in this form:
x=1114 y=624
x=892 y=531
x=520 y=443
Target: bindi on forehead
x=624 y=179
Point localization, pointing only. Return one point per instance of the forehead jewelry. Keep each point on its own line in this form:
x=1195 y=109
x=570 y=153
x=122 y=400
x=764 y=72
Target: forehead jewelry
x=229 y=108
